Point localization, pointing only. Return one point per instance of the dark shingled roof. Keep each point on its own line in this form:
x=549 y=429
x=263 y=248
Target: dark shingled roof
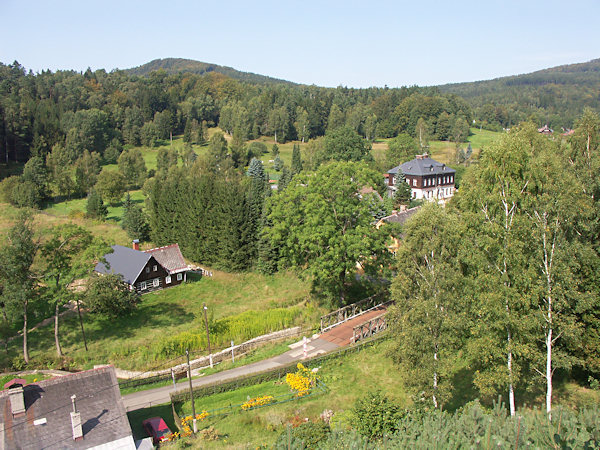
x=103 y=416
x=421 y=167
x=401 y=216
x=169 y=257
x=126 y=261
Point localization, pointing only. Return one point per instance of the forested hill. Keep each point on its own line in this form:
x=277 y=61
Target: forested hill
x=177 y=65
x=555 y=96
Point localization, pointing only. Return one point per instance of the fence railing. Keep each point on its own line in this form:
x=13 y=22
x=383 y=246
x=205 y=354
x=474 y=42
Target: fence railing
x=349 y=312
x=368 y=329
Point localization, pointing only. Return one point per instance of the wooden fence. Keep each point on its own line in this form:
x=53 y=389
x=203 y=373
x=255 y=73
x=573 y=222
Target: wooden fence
x=349 y=312
x=368 y=329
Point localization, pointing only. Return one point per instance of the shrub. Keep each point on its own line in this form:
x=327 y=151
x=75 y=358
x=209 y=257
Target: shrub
x=375 y=415
x=311 y=433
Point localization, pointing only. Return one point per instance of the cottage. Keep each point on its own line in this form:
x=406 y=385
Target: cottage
x=427 y=178
x=400 y=218
x=146 y=271
x=79 y=411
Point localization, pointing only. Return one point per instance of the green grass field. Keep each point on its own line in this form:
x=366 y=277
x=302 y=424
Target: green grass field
x=347 y=379
x=127 y=342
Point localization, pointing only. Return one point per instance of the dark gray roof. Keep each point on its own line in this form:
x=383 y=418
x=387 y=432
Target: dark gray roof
x=103 y=416
x=401 y=216
x=422 y=166
x=126 y=261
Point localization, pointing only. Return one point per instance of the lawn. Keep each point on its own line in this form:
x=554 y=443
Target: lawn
x=165 y=316
x=347 y=378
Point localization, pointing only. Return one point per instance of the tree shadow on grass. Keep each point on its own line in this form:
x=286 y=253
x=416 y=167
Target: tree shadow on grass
x=137 y=417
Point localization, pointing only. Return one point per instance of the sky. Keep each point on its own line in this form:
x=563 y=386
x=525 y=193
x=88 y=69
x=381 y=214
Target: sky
x=326 y=43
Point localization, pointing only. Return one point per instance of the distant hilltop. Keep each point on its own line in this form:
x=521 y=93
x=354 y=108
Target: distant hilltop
x=177 y=65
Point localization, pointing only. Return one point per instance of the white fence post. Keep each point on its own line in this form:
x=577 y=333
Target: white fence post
x=232 y=355
x=304 y=347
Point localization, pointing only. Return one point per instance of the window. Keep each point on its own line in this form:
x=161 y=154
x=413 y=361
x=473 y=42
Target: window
x=179 y=277
x=142 y=285
x=155 y=268
x=168 y=279
x=414 y=181
x=452 y=179
x=147 y=269
x=156 y=282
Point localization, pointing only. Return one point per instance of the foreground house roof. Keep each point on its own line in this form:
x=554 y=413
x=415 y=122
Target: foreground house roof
x=46 y=422
x=421 y=166
x=400 y=216
x=169 y=257
x=125 y=261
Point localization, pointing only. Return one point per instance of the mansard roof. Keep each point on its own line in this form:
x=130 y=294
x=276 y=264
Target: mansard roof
x=422 y=165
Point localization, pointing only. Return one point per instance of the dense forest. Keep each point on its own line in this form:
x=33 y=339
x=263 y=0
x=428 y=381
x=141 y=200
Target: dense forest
x=554 y=96
x=94 y=110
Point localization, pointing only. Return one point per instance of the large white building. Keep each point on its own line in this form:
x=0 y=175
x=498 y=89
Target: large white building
x=427 y=178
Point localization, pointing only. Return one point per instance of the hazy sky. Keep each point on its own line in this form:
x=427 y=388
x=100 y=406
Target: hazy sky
x=327 y=43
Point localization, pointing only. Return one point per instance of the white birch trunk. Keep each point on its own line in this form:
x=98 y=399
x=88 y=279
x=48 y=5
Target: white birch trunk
x=435 y=382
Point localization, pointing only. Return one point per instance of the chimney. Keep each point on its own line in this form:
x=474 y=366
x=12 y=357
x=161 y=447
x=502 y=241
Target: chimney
x=136 y=244
x=76 y=421
x=17 y=399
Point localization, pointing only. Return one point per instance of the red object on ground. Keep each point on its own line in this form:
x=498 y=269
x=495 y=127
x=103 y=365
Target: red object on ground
x=157 y=428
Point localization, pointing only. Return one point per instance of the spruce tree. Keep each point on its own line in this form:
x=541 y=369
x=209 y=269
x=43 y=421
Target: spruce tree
x=284 y=179
x=95 y=206
x=134 y=221
x=296 y=160
x=277 y=164
x=403 y=191
x=256 y=169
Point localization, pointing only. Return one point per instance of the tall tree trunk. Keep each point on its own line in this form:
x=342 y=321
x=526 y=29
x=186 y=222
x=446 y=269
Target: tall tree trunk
x=56 y=340
x=511 y=389
x=435 y=379
x=25 y=348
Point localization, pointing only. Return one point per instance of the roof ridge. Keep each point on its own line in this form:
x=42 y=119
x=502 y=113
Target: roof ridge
x=159 y=248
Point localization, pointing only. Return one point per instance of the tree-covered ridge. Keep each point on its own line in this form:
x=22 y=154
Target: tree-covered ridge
x=176 y=65
x=97 y=111
x=555 y=96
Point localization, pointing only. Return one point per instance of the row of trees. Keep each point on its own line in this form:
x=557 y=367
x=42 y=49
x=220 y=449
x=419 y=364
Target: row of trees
x=37 y=276
x=501 y=285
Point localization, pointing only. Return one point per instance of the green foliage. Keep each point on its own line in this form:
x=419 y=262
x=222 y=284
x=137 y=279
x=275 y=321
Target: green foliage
x=345 y=144
x=134 y=221
x=111 y=185
x=238 y=328
x=25 y=194
x=403 y=192
x=400 y=149
x=307 y=434
x=108 y=296
x=321 y=226
x=166 y=159
x=87 y=168
x=95 y=207
x=296 y=160
x=277 y=164
x=376 y=415
x=133 y=167
x=36 y=175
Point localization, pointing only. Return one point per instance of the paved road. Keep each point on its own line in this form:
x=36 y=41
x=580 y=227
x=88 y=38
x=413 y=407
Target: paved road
x=325 y=343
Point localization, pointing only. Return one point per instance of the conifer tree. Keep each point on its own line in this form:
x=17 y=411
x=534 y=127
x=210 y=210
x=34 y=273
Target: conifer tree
x=296 y=160
x=95 y=207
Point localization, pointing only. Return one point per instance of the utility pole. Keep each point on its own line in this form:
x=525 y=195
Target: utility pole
x=187 y=354
x=207 y=334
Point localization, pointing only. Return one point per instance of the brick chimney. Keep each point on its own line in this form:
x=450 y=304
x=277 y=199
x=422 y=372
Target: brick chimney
x=136 y=244
x=17 y=399
x=76 y=421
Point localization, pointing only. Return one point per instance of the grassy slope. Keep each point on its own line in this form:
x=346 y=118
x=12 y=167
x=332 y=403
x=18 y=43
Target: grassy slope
x=347 y=378
x=124 y=341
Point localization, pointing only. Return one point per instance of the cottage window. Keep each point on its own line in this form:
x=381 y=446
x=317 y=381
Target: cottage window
x=155 y=268
x=142 y=285
x=147 y=269
x=452 y=179
x=168 y=279
x=179 y=277
x=414 y=181
x=156 y=282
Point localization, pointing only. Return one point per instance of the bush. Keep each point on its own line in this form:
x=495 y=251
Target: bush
x=109 y=296
x=375 y=415
x=307 y=434
x=6 y=188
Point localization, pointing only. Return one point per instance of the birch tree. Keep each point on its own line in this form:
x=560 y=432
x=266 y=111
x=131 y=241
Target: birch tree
x=428 y=321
